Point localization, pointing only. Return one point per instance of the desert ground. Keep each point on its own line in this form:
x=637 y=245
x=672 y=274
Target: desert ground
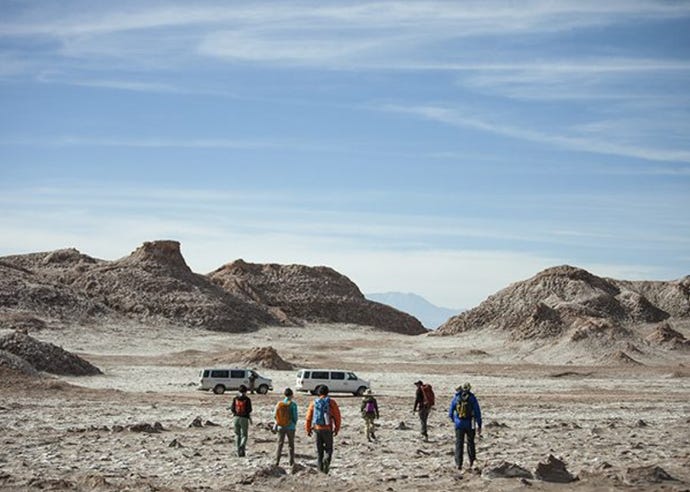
x=614 y=427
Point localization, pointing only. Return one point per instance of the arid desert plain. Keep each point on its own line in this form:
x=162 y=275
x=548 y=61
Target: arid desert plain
x=613 y=426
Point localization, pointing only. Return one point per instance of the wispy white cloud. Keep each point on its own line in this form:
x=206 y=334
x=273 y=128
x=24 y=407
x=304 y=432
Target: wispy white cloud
x=460 y=119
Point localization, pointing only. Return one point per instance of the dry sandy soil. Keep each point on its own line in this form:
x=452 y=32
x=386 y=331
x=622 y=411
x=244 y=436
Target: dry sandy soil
x=612 y=426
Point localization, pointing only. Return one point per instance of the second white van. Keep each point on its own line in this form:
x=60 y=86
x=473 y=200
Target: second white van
x=337 y=381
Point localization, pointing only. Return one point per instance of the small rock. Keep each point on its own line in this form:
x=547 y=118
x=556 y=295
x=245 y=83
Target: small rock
x=402 y=426
x=144 y=427
x=118 y=428
x=175 y=444
x=196 y=423
x=640 y=423
x=647 y=474
x=208 y=423
x=507 y=470
x=553 y=471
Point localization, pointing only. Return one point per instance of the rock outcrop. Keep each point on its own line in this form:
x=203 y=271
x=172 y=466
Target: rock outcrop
x=266 y=357
x=154 y=284
x=46 y=357
x=26 y=293
x=299 y=293
x=568 y=299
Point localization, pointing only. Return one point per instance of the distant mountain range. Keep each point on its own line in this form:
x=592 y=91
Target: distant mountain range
x=430 y=315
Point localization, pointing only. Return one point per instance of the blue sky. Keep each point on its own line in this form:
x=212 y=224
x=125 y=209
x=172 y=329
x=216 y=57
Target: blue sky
x=441 y=148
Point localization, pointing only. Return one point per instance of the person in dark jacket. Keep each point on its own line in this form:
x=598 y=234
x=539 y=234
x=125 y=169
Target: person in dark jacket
x=465 y=413
x=241 y=408
x=422 y=409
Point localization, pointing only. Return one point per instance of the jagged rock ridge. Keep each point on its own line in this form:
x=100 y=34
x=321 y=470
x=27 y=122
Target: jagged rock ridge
x=314 y=294
x=154 y=284
x=571 y=300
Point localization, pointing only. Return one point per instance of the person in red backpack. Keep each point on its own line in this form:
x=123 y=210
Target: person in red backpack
x=241 y=408
x=423 y=402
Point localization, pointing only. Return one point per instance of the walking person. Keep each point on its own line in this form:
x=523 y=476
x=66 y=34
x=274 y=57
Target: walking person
x=286 y=422
x=241 y=408
x=465 y=413
x=423 y=402
x=370 y=412
x=323 y=418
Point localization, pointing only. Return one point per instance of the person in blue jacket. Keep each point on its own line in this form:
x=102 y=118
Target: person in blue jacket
x=465 y=413
x=285 y=423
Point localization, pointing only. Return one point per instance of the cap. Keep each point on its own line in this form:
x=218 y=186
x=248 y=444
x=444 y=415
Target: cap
x=418 y=383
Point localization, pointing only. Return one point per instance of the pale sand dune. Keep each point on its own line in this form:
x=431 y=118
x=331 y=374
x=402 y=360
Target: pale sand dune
x=587 y=416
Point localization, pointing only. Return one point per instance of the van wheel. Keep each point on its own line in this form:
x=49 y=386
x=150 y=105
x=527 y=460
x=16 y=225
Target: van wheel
x=360 y=391
x=219 y=389
x=262 y=390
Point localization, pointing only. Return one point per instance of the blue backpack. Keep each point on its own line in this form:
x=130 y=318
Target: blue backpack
x=322 y=410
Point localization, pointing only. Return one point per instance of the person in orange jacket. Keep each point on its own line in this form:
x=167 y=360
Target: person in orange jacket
x=323 y=417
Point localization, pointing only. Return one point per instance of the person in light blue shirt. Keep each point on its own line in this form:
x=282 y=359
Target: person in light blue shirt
x=285 y=424
x=465 y=413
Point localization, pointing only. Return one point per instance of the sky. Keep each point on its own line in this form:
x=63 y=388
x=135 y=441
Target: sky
x=442 y=148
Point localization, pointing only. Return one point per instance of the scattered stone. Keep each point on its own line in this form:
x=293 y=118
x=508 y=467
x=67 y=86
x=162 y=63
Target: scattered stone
x=118 y=428
x=496 y=424
x=647 y=474
x=146 y=428
x=507 y=470
x=553 y=471
x=271 y=471
x=175 y=444
x=640 y=423
x=196 y=423
x=208 y=423
x=402 y=426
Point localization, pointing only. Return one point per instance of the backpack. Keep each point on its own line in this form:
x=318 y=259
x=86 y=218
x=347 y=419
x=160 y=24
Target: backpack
x=241 y=407
x=464 y=406
x=428 y=394
x=283 y=417
x=322 y=410
x=370 y=407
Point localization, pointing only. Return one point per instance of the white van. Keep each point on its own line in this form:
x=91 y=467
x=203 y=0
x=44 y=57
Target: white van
x=336 y=380
x=220 y=380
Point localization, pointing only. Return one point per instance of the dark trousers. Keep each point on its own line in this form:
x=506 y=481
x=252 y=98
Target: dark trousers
x=459 y=441
x=423 y=417
x=290 y=434
x=324 y=449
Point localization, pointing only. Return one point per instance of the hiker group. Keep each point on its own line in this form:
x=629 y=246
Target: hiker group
x=323 y=420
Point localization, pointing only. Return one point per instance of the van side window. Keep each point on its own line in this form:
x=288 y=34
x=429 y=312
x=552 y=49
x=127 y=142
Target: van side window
x=205 y=373
x=338 y=375
x=220 y=374
x=351 y=376
x=237 y=374
x=307 y=374
x=319 y=375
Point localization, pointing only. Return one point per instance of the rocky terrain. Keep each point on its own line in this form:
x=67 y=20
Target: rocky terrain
x=155 y=285
x=311 y=294
x=42 y=356
x=143 y=426
x=577 y=311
